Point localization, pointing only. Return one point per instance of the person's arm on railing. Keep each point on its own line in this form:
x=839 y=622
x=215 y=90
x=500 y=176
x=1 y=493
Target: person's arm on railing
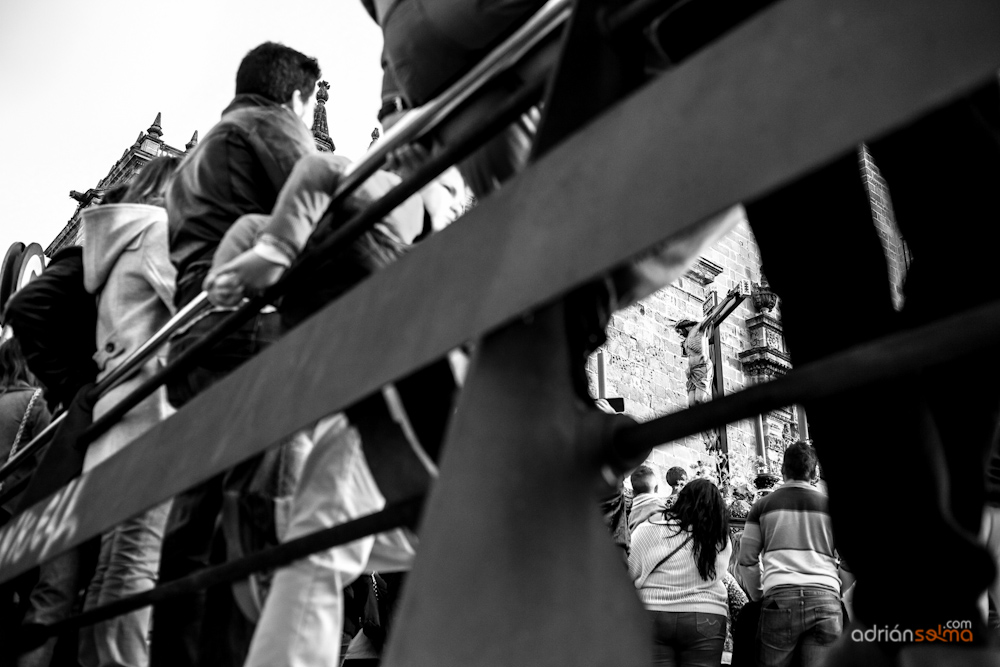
x=301 y=205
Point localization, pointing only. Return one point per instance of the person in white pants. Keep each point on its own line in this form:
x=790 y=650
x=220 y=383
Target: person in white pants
x=302 y=620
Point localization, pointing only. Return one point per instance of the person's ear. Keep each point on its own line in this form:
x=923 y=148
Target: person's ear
x=297 y=103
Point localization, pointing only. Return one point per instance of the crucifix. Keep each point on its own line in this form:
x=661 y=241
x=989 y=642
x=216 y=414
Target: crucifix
x=702 y=345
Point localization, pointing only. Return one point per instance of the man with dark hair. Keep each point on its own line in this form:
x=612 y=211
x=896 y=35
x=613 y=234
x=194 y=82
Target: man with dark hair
x=645 y=502
x=789 y=532
x=238 y=168
x=276 y=73
x=676 y=477
x=240 y=165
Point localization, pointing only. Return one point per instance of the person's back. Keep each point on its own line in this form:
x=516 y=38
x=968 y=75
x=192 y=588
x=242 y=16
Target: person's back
x=790 y=534
x=240 y=165
x=645 y=502
x=678 y=566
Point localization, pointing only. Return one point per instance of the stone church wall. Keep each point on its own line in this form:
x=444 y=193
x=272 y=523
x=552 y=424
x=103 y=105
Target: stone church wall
x=643 y=362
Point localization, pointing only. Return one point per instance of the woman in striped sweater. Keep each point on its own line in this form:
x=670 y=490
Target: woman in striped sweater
x=678 y=562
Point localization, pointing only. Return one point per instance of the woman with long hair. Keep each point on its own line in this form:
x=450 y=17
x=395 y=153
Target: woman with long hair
x=678 y=563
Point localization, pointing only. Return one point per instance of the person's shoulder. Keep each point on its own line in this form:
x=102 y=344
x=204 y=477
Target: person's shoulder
x=796 y=497
x=17 y=395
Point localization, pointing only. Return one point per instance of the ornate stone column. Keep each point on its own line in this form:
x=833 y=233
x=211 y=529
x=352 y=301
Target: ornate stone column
x=766 y=359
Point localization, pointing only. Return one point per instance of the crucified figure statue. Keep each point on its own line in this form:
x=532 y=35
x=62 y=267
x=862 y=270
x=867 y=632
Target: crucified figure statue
x=700 y=371
x=695 y=342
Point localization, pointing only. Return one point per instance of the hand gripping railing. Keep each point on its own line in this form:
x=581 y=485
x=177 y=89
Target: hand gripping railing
x=411 y=127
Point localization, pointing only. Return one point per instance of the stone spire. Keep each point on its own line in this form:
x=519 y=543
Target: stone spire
x=194 y=141
x=320 y=129
x=155 y=130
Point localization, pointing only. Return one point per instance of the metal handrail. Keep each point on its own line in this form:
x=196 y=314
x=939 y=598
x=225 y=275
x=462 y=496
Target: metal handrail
x=121 y=373
x=411 y=127
x=421 y=120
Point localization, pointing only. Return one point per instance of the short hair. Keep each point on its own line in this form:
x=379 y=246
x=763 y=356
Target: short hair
x=676 y=475
x=799 y=462
x=275 y=71
x=642 y=480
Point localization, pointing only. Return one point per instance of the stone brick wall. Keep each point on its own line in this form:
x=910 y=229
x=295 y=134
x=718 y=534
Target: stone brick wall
x=643 y=361
x=643 y=358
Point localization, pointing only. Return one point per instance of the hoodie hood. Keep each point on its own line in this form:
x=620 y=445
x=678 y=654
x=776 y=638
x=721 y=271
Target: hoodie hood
x=110 y=230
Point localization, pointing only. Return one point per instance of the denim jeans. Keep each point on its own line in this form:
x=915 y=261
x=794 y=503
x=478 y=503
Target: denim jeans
x=127 y=565
x=51 y=600
x=807 y=619
x=688 y=638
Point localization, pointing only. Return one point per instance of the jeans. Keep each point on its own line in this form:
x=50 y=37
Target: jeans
x=688 y=638
x=807 y=619
x=127 y=565
x=302 y=618
x=51 y=600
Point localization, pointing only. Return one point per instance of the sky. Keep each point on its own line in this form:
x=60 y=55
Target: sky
x=81 y=80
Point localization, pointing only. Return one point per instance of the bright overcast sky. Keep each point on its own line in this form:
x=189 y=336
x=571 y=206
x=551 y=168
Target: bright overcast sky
x=80 y=80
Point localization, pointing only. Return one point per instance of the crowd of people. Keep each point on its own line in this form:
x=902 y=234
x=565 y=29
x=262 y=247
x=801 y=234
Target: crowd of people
x=241 y=209
x=727 y=586
x=232 y=216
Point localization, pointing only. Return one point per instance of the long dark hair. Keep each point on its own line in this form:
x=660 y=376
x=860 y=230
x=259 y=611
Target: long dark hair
x=13 y=367
x=701 y=511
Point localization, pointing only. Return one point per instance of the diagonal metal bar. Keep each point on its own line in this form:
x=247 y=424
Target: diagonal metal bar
x=333 y=242
x=800 y=84
x=403 y=513
x=969 y=333
x=116 y=377
x=413 y=126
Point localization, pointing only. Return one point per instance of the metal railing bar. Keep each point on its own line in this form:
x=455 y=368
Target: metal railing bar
x=411 y=127
x=423 y=119
x=837 y=54
x=338 y=240
x=940 y=342
x=116 y=377
x=405 y=513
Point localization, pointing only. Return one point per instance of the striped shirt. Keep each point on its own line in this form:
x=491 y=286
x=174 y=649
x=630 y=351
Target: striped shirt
x=674 y=585
x=789 y=533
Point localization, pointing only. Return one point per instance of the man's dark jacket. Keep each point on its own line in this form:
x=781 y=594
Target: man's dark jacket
x=238 y=168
